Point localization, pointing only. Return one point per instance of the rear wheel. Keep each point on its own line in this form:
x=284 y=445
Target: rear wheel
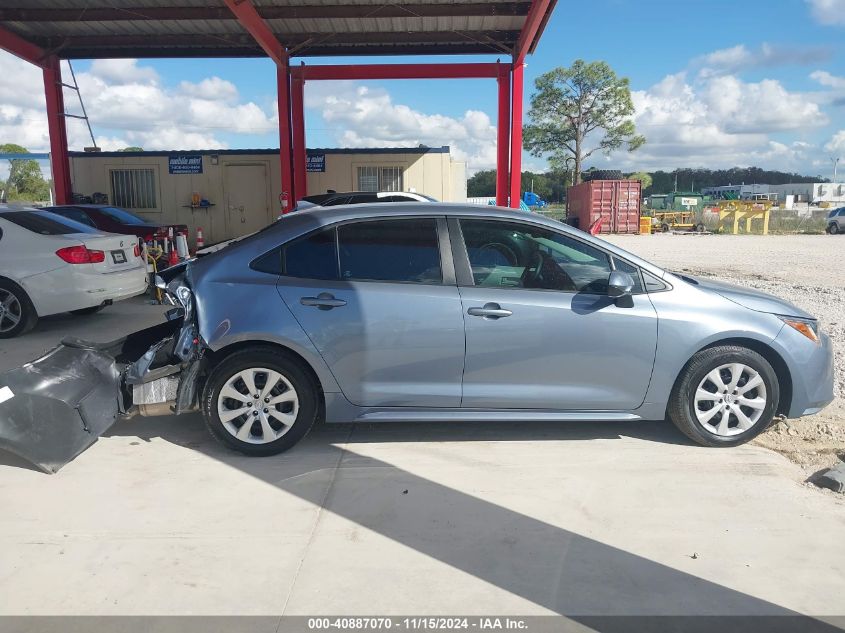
x=725 y=396
x=259 y=402
x=17 y=314
x=665 y=227
x=833 y=229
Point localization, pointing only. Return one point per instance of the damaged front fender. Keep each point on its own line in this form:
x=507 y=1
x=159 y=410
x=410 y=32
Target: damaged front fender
x=55 y=407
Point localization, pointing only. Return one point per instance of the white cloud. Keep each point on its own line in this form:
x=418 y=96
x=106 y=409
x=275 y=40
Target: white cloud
x=739 y=58
x=828 y=12
x=364 y=117
x=720 y=121
x=836 y=145
x=123 y=71
x=828 y=80
x=131 y=104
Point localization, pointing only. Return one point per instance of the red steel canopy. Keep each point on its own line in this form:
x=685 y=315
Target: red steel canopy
x=45 y=31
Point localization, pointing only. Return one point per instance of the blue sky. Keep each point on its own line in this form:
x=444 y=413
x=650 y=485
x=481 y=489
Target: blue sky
x=716 y=83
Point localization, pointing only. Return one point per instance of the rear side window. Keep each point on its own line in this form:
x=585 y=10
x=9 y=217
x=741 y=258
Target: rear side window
x=403 y=250
x=77 y=215
x=45 y=223
x=313 y=256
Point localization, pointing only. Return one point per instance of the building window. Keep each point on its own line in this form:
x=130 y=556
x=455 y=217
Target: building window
x=371 y=178
x=133 y=188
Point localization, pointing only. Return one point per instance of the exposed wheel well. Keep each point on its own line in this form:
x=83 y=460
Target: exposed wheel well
x=214 y=358
x=775 y=360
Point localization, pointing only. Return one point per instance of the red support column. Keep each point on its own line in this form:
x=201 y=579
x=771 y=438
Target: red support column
x=59 y=162
x=503 y=128
x=516 y=135
x=300 y=174
x=283 y=87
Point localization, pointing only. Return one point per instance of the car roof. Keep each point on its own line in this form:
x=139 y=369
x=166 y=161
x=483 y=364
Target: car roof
x=81 y=206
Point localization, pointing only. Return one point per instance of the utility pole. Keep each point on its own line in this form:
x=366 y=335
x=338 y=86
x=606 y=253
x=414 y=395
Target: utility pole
x=835 y=161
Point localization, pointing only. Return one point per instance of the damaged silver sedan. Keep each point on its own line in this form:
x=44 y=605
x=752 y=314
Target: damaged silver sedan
x=428 y=312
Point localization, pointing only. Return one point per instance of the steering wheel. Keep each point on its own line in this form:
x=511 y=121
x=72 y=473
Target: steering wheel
x=534 y=272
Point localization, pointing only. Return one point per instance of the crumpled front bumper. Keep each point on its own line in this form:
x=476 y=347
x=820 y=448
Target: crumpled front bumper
x=53 y=408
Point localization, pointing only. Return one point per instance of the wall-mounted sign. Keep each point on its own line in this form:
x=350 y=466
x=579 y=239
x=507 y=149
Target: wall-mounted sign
x=182 y=164
x=689 y=202
x=315 y=162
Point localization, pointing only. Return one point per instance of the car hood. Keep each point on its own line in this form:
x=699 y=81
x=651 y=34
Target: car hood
x=748 y=298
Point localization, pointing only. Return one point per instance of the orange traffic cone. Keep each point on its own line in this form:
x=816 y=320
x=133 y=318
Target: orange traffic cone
x=200 y=240
x=174 y=257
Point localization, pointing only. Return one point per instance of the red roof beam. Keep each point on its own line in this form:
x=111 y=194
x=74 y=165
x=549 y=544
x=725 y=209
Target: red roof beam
x=256 y=26
x=365 y=72
x=535 y=21
x=18 y=46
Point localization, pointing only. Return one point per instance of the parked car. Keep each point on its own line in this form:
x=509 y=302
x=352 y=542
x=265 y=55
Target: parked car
x=334 y=198
x=116 y=220
x=49 y=264
x=836 y=221
x=422 y=312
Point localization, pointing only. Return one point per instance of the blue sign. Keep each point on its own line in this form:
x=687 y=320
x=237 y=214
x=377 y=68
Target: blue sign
x=315 y=162
x=181 y=164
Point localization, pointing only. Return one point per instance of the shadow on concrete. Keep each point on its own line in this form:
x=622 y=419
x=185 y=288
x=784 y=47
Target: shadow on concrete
x=553 y=567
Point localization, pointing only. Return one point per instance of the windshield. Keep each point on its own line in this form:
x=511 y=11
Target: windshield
x=122 y=215
x=46 y=223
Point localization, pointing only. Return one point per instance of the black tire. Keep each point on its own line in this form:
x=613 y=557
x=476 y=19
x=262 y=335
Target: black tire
x=24 y=309
x=700 y=228
x=681 y=409
x=833 y=228
x=605 y=174
x=87 y=311
x=665 y=227
x=291 y=369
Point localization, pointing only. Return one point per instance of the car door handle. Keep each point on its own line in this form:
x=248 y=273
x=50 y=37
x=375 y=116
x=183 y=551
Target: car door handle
x=490 y=311
x=323 y=301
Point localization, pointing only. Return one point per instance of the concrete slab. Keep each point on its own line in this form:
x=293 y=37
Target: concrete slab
x=109 y=324
x=555 y=518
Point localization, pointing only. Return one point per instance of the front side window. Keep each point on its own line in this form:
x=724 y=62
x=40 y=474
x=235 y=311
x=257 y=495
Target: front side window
x=122 y=216
x=516 y=255
x=403 y=250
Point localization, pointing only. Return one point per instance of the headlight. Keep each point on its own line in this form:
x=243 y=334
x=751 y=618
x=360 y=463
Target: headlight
x=807 y=327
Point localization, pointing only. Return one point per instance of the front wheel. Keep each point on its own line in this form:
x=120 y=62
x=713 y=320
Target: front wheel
x=833 y=229
x=259 y=401
x=725 y=396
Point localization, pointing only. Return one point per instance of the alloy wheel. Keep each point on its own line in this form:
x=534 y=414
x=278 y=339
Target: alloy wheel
x=257 y=405
x=11 y=311
x=730 y=399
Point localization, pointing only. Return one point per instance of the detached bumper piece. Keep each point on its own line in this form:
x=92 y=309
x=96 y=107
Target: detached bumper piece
x=55 y=407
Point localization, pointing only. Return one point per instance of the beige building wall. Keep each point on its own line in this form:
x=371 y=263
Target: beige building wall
x=243 y=187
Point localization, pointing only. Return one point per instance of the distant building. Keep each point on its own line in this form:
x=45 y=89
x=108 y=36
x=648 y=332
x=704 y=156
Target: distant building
x=809 y=193
x=242 y=187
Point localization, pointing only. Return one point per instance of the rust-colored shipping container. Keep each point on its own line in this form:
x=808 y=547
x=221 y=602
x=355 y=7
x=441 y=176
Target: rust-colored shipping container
x=617 y=202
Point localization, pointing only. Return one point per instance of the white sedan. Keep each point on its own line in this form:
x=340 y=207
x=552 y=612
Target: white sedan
x=49 y=264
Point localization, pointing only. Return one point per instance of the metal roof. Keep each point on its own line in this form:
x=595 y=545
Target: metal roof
x=91 y=29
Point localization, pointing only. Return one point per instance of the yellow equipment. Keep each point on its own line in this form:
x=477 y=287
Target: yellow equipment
x=670 y=220
x=733 y=211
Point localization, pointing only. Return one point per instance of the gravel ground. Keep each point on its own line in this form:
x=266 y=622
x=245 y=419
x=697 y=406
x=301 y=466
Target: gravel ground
x=804 y=269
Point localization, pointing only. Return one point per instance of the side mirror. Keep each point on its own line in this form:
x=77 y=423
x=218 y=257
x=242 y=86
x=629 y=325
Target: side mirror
x=619 y=284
